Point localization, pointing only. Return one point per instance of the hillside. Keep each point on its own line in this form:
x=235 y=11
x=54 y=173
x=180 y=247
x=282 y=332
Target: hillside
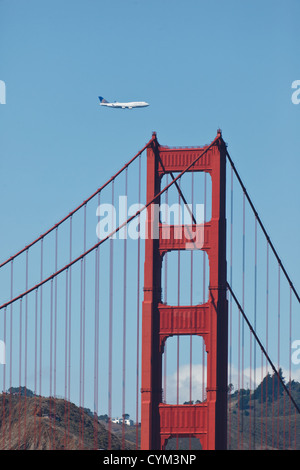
x=57 y=424
x=273 y=425
x=50 y=424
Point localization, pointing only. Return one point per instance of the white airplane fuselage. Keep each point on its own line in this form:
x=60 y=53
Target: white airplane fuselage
x=130 y=105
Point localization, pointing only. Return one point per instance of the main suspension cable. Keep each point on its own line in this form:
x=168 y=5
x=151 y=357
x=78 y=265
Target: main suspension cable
x=252 y=330
x=113 y=232
x=78 y=207
x=263 y=227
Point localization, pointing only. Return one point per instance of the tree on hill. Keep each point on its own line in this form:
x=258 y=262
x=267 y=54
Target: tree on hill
x=270 y=388
x=22 y=391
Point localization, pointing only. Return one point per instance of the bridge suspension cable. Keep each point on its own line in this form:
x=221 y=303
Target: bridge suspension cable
x=110 y=235
x=98 y=288
x=252 y=329
x=262 y=226
x=99 y=190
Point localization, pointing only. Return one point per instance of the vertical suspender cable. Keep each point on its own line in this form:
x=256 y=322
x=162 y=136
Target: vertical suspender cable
x=295 y=413
x=138 y=318
x=278 y=351
x=230 y=310
x=83 y=325
x=41 y=338
x=166 y=301
x=82 y=332
x=273 y=388
x=250 y=385
x=10 y=351
x=68 y=341
x=51 y=413
x=35 y=364
x=98 y=322
x=124 y=321
x=255 y=315
x=250 y=379
x=191 y=297
x=110 y=331
x=191 y=303
x=69 y=326
x=284 y=421
x=239 y=381
x=81 y=354
x=25 y=355
x=243 y=305
x=262 y=401
x=96 y=360
x=55 y=336
x=267 y=340
x=178 y=303
x=4 y=391
x=66 y=356
x=96 y=346
x=204 y=292
x=290 y=364
x=20 y=375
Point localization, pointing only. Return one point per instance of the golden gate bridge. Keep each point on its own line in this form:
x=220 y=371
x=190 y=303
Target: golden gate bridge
x=161 y=295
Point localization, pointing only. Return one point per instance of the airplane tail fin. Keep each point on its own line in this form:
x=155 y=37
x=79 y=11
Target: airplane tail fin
x=102 y=100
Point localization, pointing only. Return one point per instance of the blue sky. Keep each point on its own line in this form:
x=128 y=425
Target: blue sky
x=201 y=65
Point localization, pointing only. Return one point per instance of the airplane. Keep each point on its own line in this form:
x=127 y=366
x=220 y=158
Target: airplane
x=130 y=105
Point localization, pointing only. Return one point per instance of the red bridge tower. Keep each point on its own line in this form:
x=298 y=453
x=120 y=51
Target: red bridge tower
x=206 y=421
